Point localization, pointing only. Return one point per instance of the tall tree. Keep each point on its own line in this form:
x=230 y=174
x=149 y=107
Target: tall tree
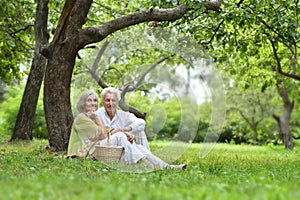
x=69 y=38
x=24 y=123
x=251 y=105
x=260 y=38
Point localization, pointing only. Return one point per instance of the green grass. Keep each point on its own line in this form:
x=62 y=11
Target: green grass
x=29 y=171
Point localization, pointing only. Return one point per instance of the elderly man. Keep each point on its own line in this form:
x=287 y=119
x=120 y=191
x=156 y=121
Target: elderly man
x=121 y=121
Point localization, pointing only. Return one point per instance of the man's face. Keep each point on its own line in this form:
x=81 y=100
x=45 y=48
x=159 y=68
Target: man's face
x=110 y=102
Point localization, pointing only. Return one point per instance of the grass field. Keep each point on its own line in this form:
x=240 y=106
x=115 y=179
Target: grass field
x=29 y=171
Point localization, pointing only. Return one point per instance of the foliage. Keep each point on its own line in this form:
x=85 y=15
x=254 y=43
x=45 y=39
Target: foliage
x=9 y=109
x=240 y=35
x=172 y=118
x=16 y=38
x=29 y=171
x=242 y=38
x=175 y=119
x=202 y=132
x=131 y=52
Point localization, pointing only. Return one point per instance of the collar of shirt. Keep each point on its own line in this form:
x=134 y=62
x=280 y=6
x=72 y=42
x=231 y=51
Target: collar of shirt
x=113 y=119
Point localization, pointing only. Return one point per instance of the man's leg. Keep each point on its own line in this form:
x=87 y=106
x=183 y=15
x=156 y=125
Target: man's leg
x=141 y=138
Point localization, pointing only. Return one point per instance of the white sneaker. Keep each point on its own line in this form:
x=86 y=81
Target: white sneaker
x=181 y=166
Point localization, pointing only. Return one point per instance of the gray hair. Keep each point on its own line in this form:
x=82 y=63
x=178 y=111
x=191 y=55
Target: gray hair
x=111 y=90
x=82 y=99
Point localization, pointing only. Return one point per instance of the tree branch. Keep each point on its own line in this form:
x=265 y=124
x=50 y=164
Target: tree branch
x=130 y=88
x=63 y=19
x=93 y=70
x=279 y=68
x=99 y=55
x=296 y=138
x=22 y=29
x=293 y=76
x=215 y=32
x=123 y=105
x=98 y=33
x=212 y=5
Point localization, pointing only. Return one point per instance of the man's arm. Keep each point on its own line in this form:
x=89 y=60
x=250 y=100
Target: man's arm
x=136 y=124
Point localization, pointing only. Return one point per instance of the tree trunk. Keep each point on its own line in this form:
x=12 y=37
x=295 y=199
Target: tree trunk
x=254 y=128
x=57 y=105
x=25 y=119
x=61 y=54
x=252 y=122
x=283 y=121
x=285 y=126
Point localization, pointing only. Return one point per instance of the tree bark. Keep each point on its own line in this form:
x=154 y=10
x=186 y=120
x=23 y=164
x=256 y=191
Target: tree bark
x=283 y=121
x=61 y=56
x=25 y=119
x=57 y=105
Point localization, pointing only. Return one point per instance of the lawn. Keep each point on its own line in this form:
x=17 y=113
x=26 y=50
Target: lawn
x=29 y=171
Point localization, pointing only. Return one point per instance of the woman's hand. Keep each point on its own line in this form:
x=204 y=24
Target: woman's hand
x=93 y=115
x=105 y=132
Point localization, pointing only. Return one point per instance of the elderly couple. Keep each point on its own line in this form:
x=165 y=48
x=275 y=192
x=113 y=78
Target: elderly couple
x=90 y=128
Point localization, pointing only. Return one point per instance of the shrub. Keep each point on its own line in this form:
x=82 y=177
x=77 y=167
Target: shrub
x=9 y=111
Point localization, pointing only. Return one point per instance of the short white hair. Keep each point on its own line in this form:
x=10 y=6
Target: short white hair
x=111 y=90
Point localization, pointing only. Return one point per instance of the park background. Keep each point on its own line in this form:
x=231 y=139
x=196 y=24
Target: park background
x=251 y=46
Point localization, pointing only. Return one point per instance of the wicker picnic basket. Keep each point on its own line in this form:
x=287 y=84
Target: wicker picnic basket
x=108 y=153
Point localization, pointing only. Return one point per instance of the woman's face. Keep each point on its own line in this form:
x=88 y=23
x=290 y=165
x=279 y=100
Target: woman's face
x=110 y=103
x=91 y=103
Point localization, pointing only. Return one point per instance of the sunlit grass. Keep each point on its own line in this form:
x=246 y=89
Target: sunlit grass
x=29 y=171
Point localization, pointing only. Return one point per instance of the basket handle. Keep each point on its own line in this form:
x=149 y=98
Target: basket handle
x=108 y=138
x=108 y=134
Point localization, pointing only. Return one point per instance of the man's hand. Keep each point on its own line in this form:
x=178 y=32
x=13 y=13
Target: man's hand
x=125 y=130
x=130 y=137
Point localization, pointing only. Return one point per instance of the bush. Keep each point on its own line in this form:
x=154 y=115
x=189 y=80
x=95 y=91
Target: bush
x=202 y=131
x=9 y=111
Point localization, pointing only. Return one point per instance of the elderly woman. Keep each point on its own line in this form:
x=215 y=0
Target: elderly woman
x=88 y=130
